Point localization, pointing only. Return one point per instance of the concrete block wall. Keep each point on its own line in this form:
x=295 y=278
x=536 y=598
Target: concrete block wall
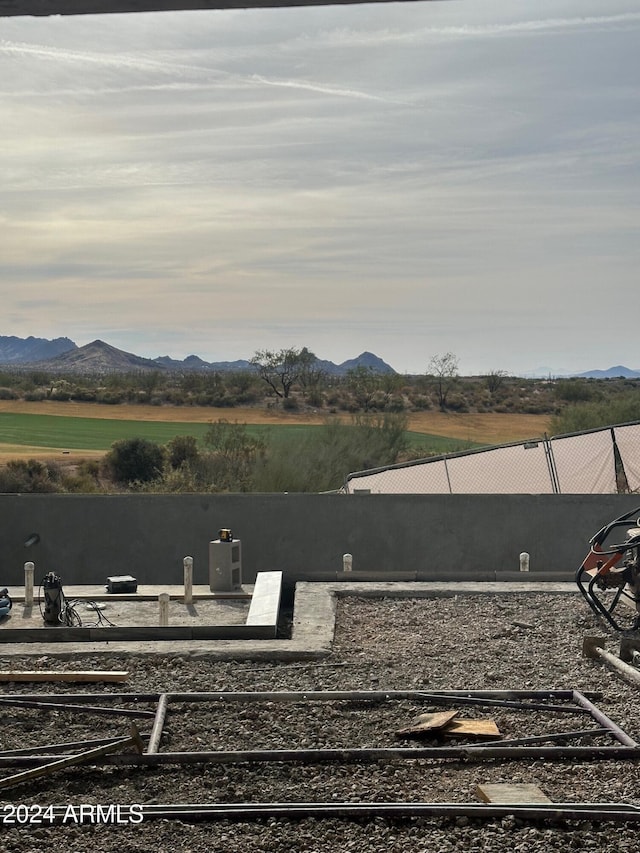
x=86 y=538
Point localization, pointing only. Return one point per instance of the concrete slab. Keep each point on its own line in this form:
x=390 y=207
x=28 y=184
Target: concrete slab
x=265 y=602
x=127 y=612
x=312 y=629
x=98 y=592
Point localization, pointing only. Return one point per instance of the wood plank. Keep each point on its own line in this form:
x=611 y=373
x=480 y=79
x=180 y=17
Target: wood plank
x=510 y=792
x=425 y=723
x=466 y=728
x=50 y=675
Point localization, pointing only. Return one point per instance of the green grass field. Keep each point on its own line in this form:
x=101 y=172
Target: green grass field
x=70 y=433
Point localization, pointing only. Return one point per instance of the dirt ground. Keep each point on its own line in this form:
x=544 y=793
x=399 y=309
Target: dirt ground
x=490 y=428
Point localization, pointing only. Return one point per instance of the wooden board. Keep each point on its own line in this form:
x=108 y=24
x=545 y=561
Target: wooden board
x=50 y=675
x=481 y=729
x=509 y=792
x=425 y=723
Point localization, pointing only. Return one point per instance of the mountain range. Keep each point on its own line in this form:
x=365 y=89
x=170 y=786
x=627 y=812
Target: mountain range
x=62 y=354
x=612 y=373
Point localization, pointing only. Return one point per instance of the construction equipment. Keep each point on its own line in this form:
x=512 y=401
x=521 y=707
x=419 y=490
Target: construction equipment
x=610 y=573
x=53 y=599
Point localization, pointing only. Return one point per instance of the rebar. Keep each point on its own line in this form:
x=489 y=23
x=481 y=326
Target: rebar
x=356 y=755
x=85 y=709
x=196 y=812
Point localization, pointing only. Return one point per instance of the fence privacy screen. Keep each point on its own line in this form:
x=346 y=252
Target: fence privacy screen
x=602 y=461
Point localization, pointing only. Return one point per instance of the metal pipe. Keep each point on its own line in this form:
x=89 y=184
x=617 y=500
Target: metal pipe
x=58 y=747
x=86 y=709
x=191 y=812
x=64 y=698
x=618 y=813
x=309 y=695
x=367 y=695
x=446 y=699
x=628 y=672
x=158 y=723
x=359 y=755
x=599 y=717
x=299 y=696
x=67 y=761
x=525 y=741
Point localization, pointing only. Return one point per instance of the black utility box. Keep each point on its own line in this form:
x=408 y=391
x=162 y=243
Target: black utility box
x=122 y=583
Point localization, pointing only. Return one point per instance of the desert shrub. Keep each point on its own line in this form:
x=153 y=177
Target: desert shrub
x=25 y=476
x=318 y=460
x=421 y=402
x=80 y=483
x=584 y=416
x=85 y=395
x=62 y=395
x=175 y=396
x=110 y=397
x=12 y=482
x=7 y=379
x=180 y=481
x=247 y=397
x=575 y=390
x=182 y=451
x=132 y=460
x=90 y=467
x=223 y=401
x=457 y=403
x=8 y=394
x=395 y=403
x=315 y=398
x=232 y=456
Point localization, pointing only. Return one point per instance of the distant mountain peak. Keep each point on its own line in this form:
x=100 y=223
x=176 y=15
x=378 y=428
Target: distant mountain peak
x=611 y=373
x=367 y=359
x=15 y=350
x=100 y=357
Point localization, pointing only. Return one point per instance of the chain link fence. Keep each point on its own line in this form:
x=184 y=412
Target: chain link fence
x=600 y=461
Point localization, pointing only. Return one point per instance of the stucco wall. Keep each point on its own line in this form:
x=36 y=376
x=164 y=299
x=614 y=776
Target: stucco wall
x=85 y=539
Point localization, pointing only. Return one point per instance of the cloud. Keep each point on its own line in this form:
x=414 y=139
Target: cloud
x=407 y=178
x=323 y=90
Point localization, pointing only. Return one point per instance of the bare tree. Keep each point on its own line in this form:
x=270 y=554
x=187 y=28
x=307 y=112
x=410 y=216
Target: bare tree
x=280 y=370
x=494 y=379
x=444 y=368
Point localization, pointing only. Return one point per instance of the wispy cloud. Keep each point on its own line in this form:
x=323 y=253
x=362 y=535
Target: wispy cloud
x=419 y=34
x=323 y=89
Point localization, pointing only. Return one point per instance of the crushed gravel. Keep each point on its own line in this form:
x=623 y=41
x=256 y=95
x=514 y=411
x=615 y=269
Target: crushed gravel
x=470 y=642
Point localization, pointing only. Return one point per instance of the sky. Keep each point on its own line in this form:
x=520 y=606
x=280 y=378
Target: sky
x=409 y=179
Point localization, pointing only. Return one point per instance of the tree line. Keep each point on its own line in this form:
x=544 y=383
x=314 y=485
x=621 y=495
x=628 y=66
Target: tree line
x=294 y=378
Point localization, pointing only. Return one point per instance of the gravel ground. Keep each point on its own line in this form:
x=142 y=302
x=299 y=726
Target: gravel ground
x=469 y=642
